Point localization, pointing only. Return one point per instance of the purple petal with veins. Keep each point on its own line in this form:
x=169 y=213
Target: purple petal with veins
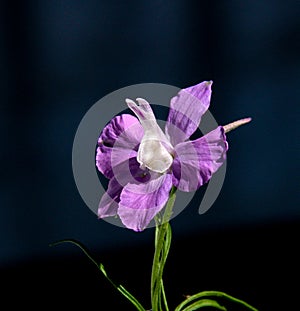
x=141 y=202
x=109 y=202
x=186 y=110
x=121 y=135
x=196 y=161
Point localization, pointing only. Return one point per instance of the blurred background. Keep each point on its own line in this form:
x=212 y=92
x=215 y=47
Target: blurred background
x=58 y=58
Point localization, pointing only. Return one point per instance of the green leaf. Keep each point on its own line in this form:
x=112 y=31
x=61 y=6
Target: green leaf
x=213 y=294
x=101 y=268
x=204 y=303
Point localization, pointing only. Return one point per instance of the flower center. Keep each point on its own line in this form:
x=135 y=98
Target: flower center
x=154 y=148
x=153 y=155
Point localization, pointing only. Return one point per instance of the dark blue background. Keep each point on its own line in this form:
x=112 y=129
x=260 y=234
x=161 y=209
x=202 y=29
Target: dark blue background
x=59 y=57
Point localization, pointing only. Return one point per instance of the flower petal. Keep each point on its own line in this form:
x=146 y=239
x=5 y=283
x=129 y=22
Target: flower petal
x=133 y=173
x=141 y=202
x=143 y=111
x=196 y=161
x=109 y=202
x=186 y=110
x=123 y=133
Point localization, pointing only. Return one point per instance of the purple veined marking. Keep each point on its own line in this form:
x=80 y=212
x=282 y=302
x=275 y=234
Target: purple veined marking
x=93 y=122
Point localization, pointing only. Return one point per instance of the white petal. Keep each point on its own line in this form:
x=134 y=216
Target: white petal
x=153 y=151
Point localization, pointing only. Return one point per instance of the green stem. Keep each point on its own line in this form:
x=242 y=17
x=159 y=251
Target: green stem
x=163 y=236
x=164 y=296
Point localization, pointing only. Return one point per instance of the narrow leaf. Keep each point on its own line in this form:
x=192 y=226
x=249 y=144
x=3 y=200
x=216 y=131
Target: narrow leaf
x=101 y=268
x=214 y=294
x=204 y=303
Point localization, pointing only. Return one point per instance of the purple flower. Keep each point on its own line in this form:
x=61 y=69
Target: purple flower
x=142 y=162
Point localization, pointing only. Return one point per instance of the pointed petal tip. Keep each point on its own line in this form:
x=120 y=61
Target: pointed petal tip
x=142 y=101
x=129 y=101
x=204 y=85
x=131 y=104
x=207 y=84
